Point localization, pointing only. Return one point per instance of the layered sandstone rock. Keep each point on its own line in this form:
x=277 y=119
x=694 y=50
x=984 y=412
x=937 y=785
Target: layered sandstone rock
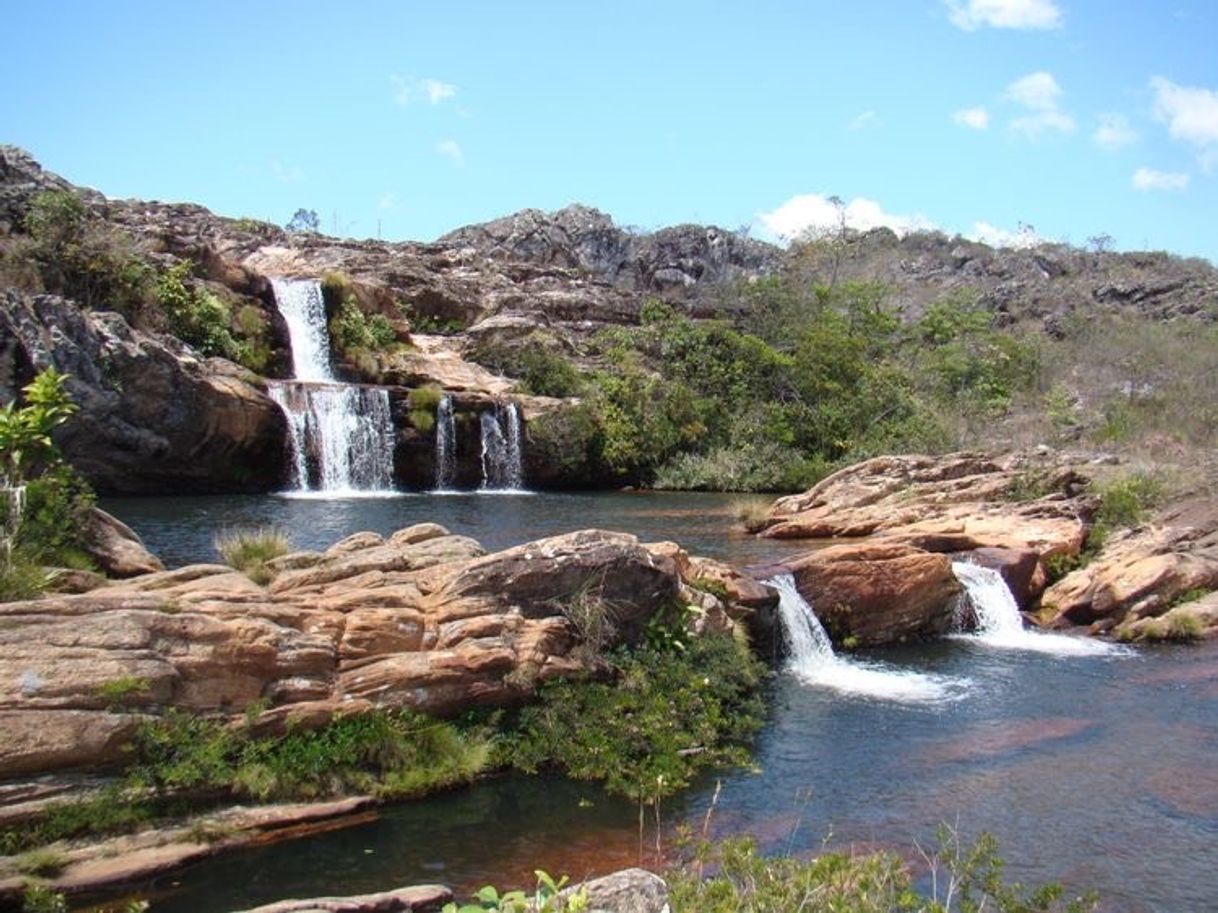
x=1141 y=574
x=422 y=619
x=877 y=593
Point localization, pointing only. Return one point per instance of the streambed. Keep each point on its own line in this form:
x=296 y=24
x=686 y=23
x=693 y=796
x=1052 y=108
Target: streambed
x=1096 y=769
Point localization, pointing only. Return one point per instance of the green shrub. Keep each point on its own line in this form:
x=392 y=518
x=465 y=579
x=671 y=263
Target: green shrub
x=540 y=370
x=81 y=257
x=667 y=714
x=119 y=693
x=351 y=328
x=1126 y=501
x=39 y=898
x=425 y=398
x=964 y=879
x=44 y=862
x=57 y=510
x=22 y=578
x=249 y=550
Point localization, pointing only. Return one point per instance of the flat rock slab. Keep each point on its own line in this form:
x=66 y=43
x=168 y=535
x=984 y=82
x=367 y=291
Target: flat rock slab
x=421 y=898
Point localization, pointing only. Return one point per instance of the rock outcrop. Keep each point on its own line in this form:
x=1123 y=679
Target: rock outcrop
x=421 y=619
x=899 y=518
x=152 y=415
x=1142 y=574
x=873 y=594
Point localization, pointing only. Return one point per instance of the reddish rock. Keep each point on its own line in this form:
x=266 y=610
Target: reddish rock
x=875 y=593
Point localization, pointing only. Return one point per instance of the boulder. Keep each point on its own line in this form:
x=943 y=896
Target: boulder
x=116 y=548
x=1140 y=573
x=421 y=898
x=154 y=417
x=868 y=594
x=954 y=503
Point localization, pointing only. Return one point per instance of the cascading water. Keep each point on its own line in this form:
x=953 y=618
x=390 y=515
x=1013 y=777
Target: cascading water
x=303 y=308
x=813 y=661
x=502 y=454
x=341 y=435
x=446 y=445
x=999 y=624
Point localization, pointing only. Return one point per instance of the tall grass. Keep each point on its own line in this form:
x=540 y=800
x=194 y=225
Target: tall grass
x=249 y=550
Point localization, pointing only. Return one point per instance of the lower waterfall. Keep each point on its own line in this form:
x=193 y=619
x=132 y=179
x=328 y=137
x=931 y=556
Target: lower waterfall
x=341 y=437
x=812 y=660
x=998 y=623
x=502 y=454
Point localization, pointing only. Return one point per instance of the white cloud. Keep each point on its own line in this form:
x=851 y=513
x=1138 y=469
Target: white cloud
x=450 y=149
x=814 y=212
x=1040 y=96
x=1147 y=179
x=971 y=15
x=407 y=89
x=387 y=202
x=974 y=118
x=1022 y=238
x=864 y=120
x=1114 y=132
x=286 y=174
x=1191 y=115
x=1037 y=91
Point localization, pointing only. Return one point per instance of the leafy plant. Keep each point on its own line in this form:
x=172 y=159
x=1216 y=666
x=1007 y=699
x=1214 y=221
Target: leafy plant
x=39 y=898
x=547 y=898
x=25 y=431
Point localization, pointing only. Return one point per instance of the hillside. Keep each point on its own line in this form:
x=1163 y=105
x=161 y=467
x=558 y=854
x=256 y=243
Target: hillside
x=832 y=350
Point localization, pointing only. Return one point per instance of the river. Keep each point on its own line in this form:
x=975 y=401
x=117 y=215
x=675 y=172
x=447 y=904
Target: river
x=1096 y=770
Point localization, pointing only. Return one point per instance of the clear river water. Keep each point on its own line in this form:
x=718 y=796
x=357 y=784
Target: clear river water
x=1096 y=770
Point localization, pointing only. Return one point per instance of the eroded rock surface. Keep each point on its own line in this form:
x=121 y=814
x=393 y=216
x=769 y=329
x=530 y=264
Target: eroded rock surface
x=422 y=619
x=1141 y=574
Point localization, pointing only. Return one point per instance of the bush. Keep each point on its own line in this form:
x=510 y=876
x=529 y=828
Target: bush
x=57 y=509
x=351 y=328
x=426 y=398
x=669 y=713
x=540 y=370
x=249 y=550
x=964 y=879
x=82 y=258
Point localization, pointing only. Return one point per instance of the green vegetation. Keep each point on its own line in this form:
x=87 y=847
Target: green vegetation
x=179 y=760
x=965 y=880
x=199 y=317
x=38 y=898
x=45 y=504
x=79 y=256
x=249 y=550
x=44 y=862
x=803 y=380
x=667 y=713
x=121 y=692
x=1124 y=502
x=423 y=403
x=540 y=370
x=545 y=899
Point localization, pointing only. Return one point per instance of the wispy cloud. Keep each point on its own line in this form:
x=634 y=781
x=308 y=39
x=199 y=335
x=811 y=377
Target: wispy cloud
x=1021 y=238
x=408 y=89
x=1148 y=179
x=814 y=212
x=450 y=149
x=387 y=202
x=1191 y=115
x=977 y=118
x=1114 y=132
x=1040 y=97
x=286 y=174
x=864 y=120
x=971 y=15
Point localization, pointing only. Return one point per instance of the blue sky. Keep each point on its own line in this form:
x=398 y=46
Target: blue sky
x=1074 y=117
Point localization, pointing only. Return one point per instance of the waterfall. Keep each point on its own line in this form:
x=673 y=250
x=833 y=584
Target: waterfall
x=446 y=445
x=304 y=310
x=813 y=661
x=341 y=435
x=502 y=455
x=998 y=622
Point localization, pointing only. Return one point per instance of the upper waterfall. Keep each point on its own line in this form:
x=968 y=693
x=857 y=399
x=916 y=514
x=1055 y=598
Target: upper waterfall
x=303 y=308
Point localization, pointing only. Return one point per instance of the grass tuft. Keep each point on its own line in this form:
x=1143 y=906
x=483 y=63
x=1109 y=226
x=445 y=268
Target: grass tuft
x=249 y=550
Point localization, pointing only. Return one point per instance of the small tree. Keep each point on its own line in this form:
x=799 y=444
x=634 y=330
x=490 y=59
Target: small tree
x=304 y=220
x=26 y=444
